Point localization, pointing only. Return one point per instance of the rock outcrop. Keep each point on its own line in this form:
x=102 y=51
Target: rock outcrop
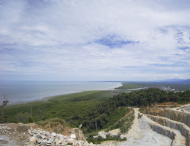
x=78 y=133
x=43 y=138
x=183 y=108
x=23 y=134
x=173 y=118
x=184 y=129
x=179 y=116
x=177 y=138
x=15 y=134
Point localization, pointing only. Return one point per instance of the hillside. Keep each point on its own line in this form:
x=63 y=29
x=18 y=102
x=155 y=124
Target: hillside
x=115 y=118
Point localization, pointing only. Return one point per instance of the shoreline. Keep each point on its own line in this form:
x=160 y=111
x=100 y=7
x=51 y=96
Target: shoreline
x=45 y=99
x=49 y=97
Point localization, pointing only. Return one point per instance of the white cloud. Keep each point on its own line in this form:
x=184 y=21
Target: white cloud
x=111 y=40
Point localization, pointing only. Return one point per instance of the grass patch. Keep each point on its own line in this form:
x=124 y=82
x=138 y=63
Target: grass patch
x=123 y=124
x=54 y=120
x=129 y=86
x=99 y=139
x=72 y=96
x=83 y=96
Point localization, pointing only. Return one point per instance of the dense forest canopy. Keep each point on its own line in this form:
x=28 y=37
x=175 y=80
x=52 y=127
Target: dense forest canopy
x=99 y=116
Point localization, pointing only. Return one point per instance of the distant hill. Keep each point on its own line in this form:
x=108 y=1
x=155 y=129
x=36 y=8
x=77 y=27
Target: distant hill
x=187 y=81
x=178 y=80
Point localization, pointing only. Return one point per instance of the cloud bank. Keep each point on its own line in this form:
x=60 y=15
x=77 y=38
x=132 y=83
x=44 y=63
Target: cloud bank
x=94 y=40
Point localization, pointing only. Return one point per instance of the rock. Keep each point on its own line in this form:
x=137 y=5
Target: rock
x=102 y=134
x=39 y=136
x=177 y=138
x=33 y=137
x=53 y=134
x=79 y=135
x=44 y=142
x=69 y=142
x=32 y=141
x=50 y=140
x=39 y=141
x=184 y=130
x=115 y=133
x=47 y=133
x=3 y=141
x=58 y=141
x=171 y=114
x=73 y=136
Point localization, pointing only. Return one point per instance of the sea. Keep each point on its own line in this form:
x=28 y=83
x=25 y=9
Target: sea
x=17 y=92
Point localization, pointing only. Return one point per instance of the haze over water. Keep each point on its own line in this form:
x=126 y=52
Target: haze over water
x=26 y=91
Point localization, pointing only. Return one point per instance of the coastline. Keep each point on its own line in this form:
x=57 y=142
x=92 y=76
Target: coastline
x=49 y=97
x=45 y=99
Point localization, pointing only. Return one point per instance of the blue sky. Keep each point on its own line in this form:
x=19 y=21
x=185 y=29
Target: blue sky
x=90 y=40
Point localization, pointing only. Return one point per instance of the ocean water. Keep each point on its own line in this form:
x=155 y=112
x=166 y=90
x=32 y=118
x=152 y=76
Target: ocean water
x=26 y=91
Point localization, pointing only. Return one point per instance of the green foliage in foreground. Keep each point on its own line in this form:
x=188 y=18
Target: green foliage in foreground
x=124 y=124
x=151 y=96
x=99 y=139
x=99 y=117
x=57 y=120
x=64 y=110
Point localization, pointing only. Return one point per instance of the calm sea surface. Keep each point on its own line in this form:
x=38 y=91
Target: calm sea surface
x=26 y=91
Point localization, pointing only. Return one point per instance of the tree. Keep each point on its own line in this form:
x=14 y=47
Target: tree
x=41 y=112
x=4 y=103
x=22 y=117
x=30 y=108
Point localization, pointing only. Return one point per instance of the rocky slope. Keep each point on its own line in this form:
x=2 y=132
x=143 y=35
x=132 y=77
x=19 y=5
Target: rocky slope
x=141 y=134
x=27 y=135
x=180 y=116
x=171 y=124
x=175 y=120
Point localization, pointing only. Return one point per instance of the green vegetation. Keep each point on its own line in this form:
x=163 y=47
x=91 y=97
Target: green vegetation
x=54 y=120
x=56 y=124
x=102 y=116
x=129 y=86
x=63 y=109
x=83 y=96
x=72 y=96
x=180 y=86
x=150 y=96
x=67 y=107
x=99 y=139
x=124 y=123
x=95 y=110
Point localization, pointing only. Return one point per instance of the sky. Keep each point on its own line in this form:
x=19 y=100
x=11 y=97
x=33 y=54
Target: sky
x=94 y=40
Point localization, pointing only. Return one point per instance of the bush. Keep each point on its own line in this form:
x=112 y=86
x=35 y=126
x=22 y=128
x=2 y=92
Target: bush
x=51 y=121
